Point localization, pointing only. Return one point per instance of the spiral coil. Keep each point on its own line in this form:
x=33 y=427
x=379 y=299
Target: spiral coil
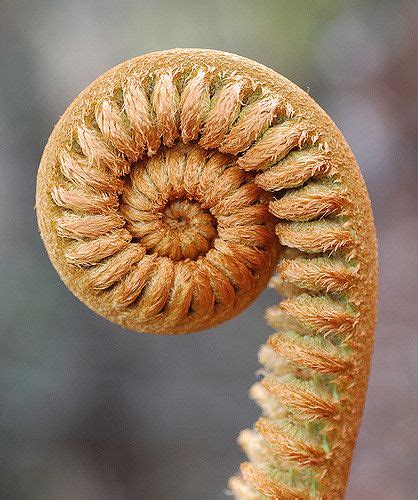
x=180 y=191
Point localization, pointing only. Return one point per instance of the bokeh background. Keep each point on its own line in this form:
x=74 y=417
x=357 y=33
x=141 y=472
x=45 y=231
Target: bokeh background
x=89 y=411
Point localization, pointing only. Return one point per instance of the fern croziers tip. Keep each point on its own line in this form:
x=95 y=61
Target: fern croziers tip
x=170 y=193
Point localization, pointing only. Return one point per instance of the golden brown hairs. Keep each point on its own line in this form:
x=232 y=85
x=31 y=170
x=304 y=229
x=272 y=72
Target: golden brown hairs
x=170 y=192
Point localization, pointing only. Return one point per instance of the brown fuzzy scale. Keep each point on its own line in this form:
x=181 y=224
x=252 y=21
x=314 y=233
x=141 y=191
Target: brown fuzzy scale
x=310 y=202
x=322 y=314
x=308 y=405
x=87 y=226
x=133 y=283
x=316 y=237
x=88 y=253
x=290 y=448
x=226 y=107
x=269 y=404
x=113 y=270
x=141 y=116
x=78 y=170
x=276 y=143
x=267 y=486
x=79 y=200
x=320 y=361
x=297 y=168
x=254 y=120
x=242 y=491
x=165 y=102
x=112 y=124
x=329 y=275
x=164 y=170
x=195 y=102
x=279 y=320
x=254 y=446
x=98 y=152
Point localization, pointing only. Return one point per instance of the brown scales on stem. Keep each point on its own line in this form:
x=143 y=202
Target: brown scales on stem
x=290 y=448
x=183 y=176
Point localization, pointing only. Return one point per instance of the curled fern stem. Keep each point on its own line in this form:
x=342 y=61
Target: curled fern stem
x=174 y=189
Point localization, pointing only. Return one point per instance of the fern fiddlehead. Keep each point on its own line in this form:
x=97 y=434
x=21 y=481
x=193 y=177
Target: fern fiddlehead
x=170 y=193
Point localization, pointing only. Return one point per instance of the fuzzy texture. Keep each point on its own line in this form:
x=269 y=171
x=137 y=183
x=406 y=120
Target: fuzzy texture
x=166 y=196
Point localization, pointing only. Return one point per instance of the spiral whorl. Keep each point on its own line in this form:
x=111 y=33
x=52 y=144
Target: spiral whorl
x=168 y=193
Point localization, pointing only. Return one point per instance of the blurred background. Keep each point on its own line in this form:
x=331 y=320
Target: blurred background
x=89 y=411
